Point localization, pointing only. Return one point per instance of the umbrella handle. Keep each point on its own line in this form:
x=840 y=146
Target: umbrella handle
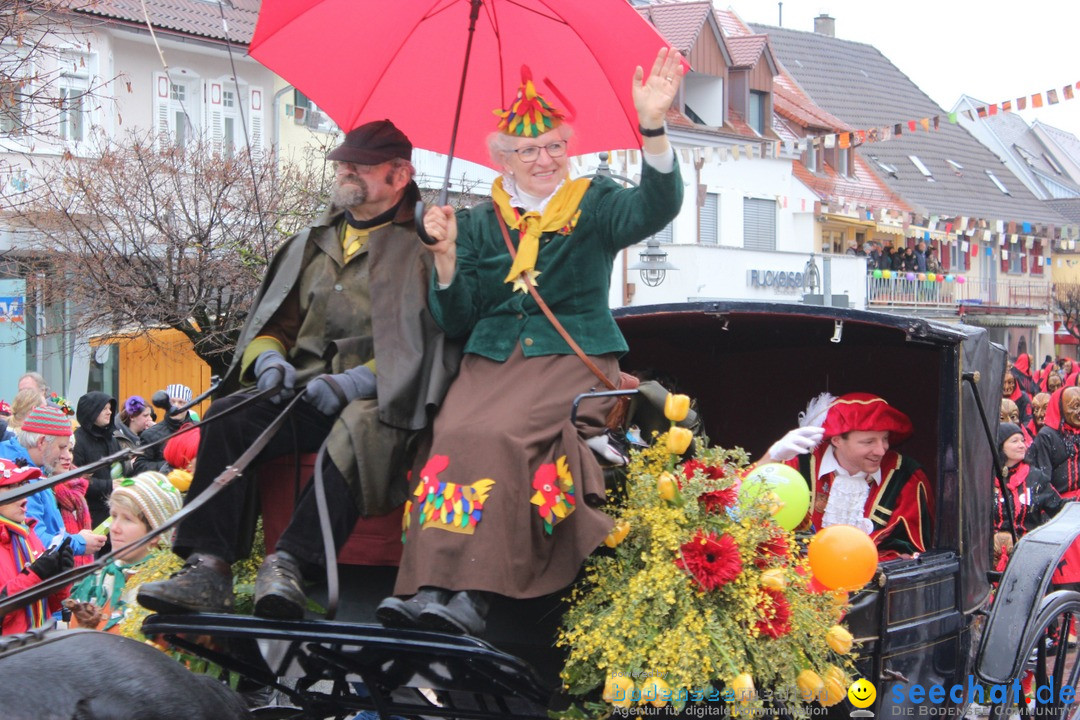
x=418 y=219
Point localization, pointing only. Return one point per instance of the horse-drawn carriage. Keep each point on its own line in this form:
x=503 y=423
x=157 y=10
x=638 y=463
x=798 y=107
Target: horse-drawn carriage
x=935 y=620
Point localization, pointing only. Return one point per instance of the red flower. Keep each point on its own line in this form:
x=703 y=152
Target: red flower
x=710 y=471
x=775 y=611
x=770 y=551
x=714 y=500
x=712 y=561
x=717 y=500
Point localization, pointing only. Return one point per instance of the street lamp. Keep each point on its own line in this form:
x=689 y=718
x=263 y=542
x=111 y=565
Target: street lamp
x=653 y=263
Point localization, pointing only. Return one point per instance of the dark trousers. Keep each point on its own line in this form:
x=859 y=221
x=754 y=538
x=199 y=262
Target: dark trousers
x=220 y=528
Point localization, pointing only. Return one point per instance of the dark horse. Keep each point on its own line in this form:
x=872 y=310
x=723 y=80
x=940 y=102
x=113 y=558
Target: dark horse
x=90 y=675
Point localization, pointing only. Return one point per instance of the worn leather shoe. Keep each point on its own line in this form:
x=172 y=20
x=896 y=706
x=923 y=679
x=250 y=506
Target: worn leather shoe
x=203 y=585
x=393 y=612
x=464 y=614
x=279 y=588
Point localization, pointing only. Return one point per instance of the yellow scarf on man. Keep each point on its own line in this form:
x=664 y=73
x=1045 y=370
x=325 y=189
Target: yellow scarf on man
x=559 y=212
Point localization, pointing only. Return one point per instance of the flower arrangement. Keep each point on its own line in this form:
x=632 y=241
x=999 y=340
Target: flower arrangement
x=703 y=590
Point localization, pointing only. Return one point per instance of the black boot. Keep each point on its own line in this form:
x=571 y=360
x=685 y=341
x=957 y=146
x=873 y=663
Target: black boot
x=464 y=614
x=393 y=612
x=279 y=588
x=203 y=585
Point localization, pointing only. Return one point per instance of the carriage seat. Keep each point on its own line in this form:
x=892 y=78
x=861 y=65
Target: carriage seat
x=374 y=540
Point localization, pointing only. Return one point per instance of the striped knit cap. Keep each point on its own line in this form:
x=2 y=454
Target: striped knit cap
x=153 y=494
x=47 y=420
x=179 y=392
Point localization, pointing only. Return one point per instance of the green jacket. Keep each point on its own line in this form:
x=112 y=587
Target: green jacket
x=414 y=361
x=575 y=272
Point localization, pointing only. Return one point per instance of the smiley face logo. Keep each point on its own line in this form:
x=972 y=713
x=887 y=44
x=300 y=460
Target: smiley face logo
x=862 y=693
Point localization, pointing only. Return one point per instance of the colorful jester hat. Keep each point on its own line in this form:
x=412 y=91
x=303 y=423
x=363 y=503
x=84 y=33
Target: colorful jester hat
x=530 y=114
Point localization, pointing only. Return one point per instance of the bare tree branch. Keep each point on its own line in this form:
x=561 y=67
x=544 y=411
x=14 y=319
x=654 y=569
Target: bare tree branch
x=138 y=238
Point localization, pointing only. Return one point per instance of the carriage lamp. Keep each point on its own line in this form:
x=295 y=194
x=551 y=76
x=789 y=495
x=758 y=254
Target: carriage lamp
x=653 y=264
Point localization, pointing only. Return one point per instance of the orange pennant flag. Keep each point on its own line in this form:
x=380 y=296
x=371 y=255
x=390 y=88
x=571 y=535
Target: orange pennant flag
x=1006 y=106
x=845 y=140
x=993 y=109
x=1067 y=91
x=1036 y=100
x=911 y=125
x=925 y=122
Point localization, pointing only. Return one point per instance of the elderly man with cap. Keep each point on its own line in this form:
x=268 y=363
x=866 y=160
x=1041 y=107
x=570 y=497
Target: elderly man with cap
x=342 y=317
x=44 y=441
x=855 y=477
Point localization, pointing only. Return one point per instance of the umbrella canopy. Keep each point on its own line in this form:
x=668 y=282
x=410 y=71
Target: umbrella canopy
x=364 y=60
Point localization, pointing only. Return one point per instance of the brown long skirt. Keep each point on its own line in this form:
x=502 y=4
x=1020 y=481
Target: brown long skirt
x=507 y=499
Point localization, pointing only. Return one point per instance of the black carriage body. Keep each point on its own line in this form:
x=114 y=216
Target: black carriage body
x=753 y=367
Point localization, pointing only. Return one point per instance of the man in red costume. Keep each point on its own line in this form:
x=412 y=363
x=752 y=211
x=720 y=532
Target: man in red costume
x=854 y=476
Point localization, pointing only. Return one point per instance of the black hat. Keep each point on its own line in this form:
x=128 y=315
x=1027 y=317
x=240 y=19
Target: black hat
x=1006 y=431
x=373 y=143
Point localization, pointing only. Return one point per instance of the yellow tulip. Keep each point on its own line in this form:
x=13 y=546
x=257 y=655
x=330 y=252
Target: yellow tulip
x=676 y=407
x=834 y=691
x=774 y=578
x=656 y=692
x=679 y=439
x=666 y=486
x=617 y=691
x=809 y=684
x=836 y=685
x=617 y=534
x=743 y=687
x=839 y=639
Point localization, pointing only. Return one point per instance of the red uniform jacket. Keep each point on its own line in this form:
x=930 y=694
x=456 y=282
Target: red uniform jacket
x=13 y=580
x=901 y=507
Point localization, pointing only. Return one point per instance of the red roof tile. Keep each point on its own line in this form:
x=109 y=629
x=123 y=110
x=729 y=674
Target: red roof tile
x=746 y=50
x=680 y=24
x=188 y=17
x=865 y=188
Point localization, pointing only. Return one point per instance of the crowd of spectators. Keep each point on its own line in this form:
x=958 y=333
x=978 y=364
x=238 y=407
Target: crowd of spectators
x=70 y=523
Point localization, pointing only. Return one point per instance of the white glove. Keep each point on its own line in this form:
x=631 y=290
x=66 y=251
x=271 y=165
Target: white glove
x=797 y=442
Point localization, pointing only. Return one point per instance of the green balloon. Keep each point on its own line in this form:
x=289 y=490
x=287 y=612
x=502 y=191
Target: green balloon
x=877 y=273
x=788 y=489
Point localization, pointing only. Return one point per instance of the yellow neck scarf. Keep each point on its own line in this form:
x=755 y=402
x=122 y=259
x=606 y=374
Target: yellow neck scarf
x=559 y=212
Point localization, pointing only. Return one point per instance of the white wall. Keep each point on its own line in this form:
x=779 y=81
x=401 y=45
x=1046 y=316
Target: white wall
x=722 y=273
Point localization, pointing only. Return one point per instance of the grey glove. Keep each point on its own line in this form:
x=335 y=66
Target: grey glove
x=330 y=393
x=273 y=370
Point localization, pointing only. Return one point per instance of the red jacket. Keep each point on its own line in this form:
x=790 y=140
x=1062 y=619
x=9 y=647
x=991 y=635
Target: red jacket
x=901 y=507
x=13 y=580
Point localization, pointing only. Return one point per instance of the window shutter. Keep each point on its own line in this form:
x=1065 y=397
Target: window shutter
x=215 y=116
x=1037 y=258
x=162 y=129
x=759 y=224
x=710 y=213
x=1004 y=260
x=1023 y=262
x=255 y=119
x=944 y=255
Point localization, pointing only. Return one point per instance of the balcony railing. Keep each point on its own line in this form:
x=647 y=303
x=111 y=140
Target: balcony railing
x=1023 y=296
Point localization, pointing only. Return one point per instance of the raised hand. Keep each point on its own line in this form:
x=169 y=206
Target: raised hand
x=653 y=95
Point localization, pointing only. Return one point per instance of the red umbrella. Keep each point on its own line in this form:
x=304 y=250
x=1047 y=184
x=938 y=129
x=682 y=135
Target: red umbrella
x=416 y=61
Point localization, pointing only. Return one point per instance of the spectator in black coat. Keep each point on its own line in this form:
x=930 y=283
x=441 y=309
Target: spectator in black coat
x=94 y=440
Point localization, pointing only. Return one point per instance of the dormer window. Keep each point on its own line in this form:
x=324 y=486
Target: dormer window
x=758 y=111
x=921 y=168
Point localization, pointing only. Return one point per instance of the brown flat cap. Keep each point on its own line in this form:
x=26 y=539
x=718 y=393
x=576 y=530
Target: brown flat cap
x=373 y=143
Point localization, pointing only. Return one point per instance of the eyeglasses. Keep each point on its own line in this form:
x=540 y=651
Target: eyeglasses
x=530 y=153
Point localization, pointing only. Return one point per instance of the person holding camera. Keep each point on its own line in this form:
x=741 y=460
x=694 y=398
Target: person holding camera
x=24 y=562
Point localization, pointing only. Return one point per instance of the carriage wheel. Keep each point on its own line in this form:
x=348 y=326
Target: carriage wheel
x=1052 y=661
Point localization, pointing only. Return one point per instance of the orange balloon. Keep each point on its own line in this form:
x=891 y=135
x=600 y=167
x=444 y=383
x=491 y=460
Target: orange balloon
x=842 y=557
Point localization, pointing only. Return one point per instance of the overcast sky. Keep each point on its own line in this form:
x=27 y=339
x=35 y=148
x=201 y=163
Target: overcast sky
x=991 y=50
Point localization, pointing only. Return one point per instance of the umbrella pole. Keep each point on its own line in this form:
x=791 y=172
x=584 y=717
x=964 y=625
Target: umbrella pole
x=474 y=14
